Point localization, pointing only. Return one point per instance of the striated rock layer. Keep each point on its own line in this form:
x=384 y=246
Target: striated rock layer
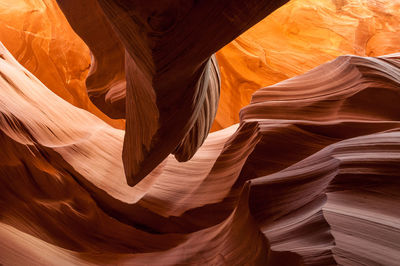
x=39 y=36
x=310 y=176
x=164 y=50
x=299 y=36
x=295 y=38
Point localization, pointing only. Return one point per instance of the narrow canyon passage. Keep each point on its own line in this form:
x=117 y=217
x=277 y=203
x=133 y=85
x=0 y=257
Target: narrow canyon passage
x=106 y=156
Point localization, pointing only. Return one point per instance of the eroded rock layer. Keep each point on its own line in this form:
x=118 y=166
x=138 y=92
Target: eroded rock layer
x=309 y=177
x=172 y=83
x=299 y=36
x=296 y=38
x=39 y=36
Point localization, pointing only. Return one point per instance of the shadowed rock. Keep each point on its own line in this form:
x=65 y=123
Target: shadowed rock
x=172 y=84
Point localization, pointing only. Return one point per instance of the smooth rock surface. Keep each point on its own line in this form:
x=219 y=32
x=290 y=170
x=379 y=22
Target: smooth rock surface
x=299 y=36
x=38 y=35
x=313 y=186
x=172 y=78
x=309 y=175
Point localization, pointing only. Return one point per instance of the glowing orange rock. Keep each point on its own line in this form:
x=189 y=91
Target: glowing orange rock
x=40 y=38
x=298 y=37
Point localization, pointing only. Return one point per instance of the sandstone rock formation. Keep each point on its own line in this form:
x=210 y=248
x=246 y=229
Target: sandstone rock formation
x=309 y=175
x=296 y=38
x=299 y=36
x=38 y=35
x=70 y=199
x=313 y=186
x=172 y=83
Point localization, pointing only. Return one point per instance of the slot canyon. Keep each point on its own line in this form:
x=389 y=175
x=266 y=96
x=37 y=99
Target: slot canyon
x=200 y=132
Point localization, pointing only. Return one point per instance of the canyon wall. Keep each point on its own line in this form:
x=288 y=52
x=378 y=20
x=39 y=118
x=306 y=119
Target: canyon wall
x=308 y=176
x=40 y=38
x=297 y=37
x=292 y=40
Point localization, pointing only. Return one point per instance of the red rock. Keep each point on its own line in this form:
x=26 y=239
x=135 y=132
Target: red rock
x=308 y=177
x=172 y=84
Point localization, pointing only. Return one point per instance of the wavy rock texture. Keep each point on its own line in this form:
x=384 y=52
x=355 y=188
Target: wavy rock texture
x=38 y=35
x=172 y=80
x=63 y=191
x=340 y=190
x=310 y=176
x=106 y=84
x=297 y=37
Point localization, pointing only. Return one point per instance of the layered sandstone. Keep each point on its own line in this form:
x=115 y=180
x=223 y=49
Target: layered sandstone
x=164 y=51
x=309 y=175
x=297 y=37
x=313 y=186
x=39 y=36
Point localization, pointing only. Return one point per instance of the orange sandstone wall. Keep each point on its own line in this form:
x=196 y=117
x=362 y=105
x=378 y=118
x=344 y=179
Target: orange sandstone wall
x=40 y=38
x=298 y=37
x=294 y=39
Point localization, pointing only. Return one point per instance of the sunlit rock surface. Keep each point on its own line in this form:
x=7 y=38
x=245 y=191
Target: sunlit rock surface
x=38 y=35
x=298 y=37
x=309 y=175
x=313 y=185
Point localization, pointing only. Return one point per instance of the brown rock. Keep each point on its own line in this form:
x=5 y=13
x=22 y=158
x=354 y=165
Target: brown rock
x=311 y=187
x=170 y=79
x=310 y=175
